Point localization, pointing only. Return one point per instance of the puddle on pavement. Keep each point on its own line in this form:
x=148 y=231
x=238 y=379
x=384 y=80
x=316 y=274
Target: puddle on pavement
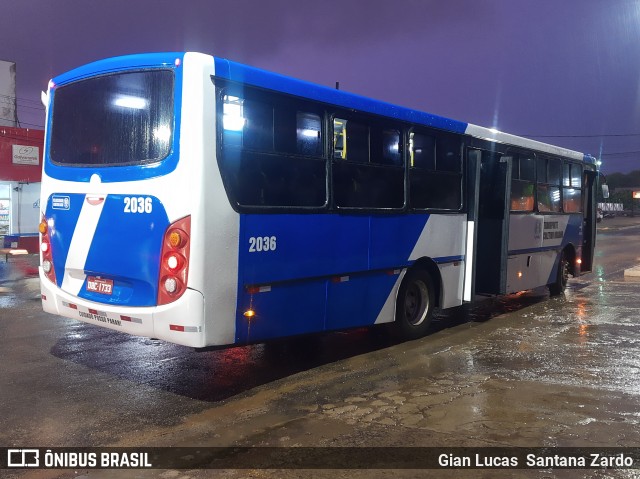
x=417 y=406
x=13 y=293
x=8 y=299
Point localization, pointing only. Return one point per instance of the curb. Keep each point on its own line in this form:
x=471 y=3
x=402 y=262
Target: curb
x=633 y=272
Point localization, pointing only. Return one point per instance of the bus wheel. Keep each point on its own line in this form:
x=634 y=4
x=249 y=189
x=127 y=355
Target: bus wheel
x=414 y=306
x=561 y=278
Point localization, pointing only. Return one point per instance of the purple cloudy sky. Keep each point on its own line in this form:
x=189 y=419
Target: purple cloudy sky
x=562 y=71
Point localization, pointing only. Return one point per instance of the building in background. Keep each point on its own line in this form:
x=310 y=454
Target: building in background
x=20 y=170
x=8 y=112
x=20 y=175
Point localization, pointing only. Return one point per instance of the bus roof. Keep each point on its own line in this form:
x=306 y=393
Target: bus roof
x=238 y=72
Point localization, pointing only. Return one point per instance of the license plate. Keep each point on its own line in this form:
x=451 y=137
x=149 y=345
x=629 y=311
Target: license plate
x=99 y=285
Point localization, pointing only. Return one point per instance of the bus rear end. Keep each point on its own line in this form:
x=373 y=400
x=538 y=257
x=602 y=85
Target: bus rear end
x=118 y=208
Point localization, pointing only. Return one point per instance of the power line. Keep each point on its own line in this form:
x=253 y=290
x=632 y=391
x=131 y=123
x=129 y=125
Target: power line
x=19 y=98
x=621 y=153
x=608 y=135
x=29 y=107
x=19 y=105
x=23 y=123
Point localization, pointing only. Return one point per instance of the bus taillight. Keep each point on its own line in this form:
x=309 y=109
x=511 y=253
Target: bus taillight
x=174 y=261
x=45 y=250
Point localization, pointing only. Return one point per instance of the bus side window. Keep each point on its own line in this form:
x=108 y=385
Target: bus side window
x=351 y=140
x=232 y=120
x=448 y=153
x=422 y=151
x=339 y=138
x=548 y=185
x=272 y=151
x=572 y=200
x=555 y=172
x=435 y=176
x=523 y=175
x=572 y=191
x=391 y=153
x=367 y=167
x=576 y=176
x=521 y=196
x=258 y=128
x=308 y=134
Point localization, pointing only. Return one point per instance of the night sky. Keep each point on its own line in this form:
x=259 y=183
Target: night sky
x=562 y=71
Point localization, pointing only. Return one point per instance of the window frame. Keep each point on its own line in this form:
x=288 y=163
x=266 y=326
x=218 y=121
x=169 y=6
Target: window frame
x=436 y=172
x=170 y=103
x=289 y=103
x=571 y=165
x=299 y=105
x=548 y=184
x=516 y=155
x=376 y=125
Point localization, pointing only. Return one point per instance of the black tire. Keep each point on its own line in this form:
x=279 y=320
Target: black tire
x=562 y=276
x=414 y=306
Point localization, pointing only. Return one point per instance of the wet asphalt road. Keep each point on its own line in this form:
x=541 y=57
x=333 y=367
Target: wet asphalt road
x=523 y=370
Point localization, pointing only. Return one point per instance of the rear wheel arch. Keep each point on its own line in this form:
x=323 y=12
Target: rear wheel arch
x=433 y=271
x=566 y=265
x=570 y=254
x=417 y=299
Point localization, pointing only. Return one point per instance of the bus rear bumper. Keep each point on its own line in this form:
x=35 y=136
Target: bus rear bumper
x=180 y=322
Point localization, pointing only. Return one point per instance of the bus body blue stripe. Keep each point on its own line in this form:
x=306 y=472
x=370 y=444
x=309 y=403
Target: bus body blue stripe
x=64 y=216
x=448 y=259
x=321 y=245
x=125 y=247
x=572 y=235
x=314 y=252
x=115 y=64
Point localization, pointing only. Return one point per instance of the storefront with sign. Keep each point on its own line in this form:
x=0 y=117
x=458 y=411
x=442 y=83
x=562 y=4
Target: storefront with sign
x=20 y=175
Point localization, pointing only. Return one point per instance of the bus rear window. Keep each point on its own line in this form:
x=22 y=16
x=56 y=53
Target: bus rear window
x=113 y=120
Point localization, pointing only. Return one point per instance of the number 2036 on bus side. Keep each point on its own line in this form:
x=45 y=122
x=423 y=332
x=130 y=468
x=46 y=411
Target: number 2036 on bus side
x=138 y=204
x=262 y=244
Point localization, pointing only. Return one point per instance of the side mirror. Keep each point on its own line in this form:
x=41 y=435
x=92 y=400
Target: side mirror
x=605 y=191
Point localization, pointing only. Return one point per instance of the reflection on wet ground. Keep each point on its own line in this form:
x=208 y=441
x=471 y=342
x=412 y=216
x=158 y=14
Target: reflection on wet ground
x=17 y=291
x=599 y=325
x=520 y=370
x=210 y=375
x=595 y=344
x=217 y=375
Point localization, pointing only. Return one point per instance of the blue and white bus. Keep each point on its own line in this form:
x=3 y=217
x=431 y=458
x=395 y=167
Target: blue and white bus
x=207 y=203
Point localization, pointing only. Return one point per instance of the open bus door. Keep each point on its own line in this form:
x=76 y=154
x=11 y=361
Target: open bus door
x=589 y=220
x=489 y=186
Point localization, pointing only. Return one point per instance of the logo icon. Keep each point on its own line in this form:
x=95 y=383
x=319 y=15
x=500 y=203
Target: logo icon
x=537 y=233
x=60 y=202
x=23 y=458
